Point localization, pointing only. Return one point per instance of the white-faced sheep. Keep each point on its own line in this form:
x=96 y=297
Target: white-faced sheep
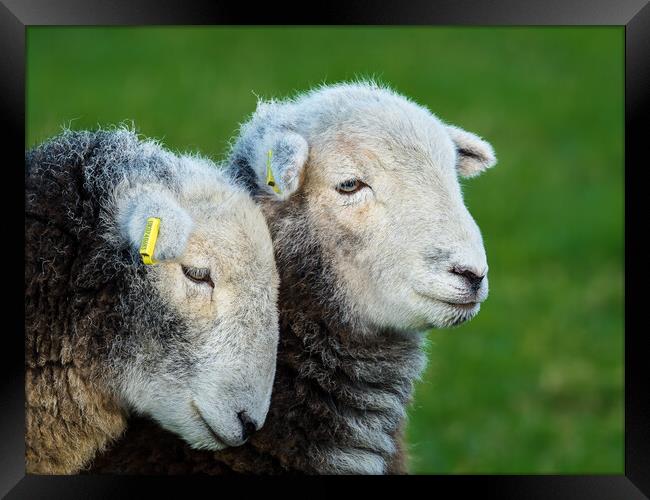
x=189 y=341
x=374 y=244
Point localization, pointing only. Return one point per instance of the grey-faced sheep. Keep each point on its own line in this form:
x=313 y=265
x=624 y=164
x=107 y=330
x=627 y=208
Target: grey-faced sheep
x=189 y=341
x=373 y=244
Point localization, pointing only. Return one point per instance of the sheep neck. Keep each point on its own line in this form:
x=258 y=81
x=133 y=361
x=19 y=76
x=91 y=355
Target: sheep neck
x=341 y=386
x=66 y=318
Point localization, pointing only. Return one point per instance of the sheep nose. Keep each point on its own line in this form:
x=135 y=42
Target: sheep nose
x=248 y=425
x=473 y=279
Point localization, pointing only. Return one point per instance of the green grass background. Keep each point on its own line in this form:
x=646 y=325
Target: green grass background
x=534 y=384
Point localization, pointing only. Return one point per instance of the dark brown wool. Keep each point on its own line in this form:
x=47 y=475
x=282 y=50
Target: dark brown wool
x=70 y=313
x=79 y=294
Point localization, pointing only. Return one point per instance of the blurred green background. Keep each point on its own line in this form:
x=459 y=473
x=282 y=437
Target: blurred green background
x=534 y=384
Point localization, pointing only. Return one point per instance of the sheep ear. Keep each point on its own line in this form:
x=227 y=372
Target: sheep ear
x=280 y=161
x=474 y=155
x=143 y=202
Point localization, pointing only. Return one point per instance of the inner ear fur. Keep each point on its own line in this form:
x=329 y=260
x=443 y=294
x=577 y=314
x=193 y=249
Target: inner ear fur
x=473 y=154
x=138 y=204
x=288 y=156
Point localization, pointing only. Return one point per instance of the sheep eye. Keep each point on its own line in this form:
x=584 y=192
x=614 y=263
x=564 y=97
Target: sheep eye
x=198 y=274
x=350 y=186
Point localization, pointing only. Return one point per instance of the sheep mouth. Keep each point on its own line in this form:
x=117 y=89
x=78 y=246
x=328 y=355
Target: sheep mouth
x=460 y=305
x=215 y=435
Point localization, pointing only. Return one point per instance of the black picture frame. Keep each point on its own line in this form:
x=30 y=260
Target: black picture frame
x=634 y=15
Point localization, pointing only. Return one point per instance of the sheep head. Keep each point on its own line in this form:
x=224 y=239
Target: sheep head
x=202 y=329
x=371 y=179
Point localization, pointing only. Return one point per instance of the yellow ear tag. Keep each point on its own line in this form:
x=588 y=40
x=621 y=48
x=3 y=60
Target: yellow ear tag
x=269 y=173
x=149 y=240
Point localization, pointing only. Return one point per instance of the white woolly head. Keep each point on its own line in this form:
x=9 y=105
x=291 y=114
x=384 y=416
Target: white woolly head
x=377 y=176
x=199 y=356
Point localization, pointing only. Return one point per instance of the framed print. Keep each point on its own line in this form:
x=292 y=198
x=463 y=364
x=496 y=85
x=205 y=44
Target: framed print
x=427 y=267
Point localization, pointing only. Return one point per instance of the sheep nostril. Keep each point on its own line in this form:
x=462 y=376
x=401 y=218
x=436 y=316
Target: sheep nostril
x=472 y=278
x=248 y=425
